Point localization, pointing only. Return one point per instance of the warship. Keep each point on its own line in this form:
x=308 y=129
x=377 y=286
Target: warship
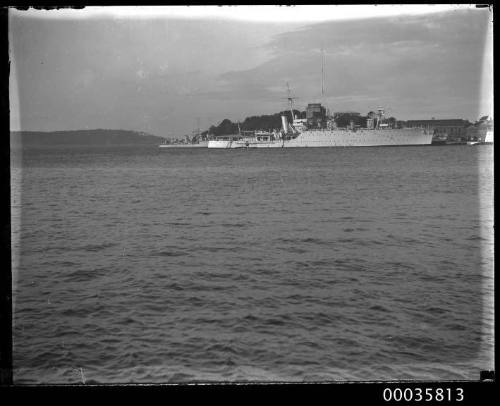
x=319 y=129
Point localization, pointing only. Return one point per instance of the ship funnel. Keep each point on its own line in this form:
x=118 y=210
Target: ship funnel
x=284 y=122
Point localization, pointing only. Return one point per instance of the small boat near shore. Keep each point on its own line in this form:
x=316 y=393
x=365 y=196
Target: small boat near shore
x=488 y=139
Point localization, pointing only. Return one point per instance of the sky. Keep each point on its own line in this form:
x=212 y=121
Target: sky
x=166 y=70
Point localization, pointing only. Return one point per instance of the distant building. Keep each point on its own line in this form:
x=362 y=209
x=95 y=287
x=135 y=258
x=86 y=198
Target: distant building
x=454 y=129
x=315 y=114
x=315 y=110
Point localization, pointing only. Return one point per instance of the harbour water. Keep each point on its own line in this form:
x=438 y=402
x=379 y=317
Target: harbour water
x=140 y=265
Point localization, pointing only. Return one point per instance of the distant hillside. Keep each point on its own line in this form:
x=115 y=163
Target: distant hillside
x=97 y=137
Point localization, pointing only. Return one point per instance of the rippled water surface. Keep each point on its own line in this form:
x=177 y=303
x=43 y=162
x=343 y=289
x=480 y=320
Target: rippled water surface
x=138 y=265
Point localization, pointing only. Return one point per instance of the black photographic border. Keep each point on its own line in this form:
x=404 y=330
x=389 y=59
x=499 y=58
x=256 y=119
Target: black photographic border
x=371 y=392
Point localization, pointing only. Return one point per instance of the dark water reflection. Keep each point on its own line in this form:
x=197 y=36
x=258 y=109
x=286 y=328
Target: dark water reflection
x=307 y=264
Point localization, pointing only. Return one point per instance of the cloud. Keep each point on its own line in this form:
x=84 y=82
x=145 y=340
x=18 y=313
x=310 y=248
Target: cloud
x=162 y=73
x=107 y=72
x=401 y=61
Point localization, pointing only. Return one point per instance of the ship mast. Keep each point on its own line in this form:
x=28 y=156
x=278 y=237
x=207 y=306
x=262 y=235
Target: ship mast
x=322 y=73
x=290 y=99
x=327 y=111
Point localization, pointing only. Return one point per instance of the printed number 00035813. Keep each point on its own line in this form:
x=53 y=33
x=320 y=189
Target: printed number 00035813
x=423 y=395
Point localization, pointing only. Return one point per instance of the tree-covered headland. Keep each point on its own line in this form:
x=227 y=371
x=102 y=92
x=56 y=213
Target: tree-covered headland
x=273 y=122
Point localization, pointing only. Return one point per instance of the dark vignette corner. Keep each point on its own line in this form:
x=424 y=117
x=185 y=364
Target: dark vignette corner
x=5 y=244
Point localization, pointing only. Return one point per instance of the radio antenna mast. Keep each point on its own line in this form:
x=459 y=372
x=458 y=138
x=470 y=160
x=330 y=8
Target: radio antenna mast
x=290 y=99
x=322 y=73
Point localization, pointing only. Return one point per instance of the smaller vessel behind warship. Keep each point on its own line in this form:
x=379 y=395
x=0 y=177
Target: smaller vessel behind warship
x=488 y=139
x=197 y=140
x=198 y=144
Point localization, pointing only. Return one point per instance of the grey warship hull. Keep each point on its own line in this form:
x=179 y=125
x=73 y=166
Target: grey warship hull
x=335 y=138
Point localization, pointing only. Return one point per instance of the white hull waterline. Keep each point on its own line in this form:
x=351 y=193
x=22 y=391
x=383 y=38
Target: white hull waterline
x=335 y=138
